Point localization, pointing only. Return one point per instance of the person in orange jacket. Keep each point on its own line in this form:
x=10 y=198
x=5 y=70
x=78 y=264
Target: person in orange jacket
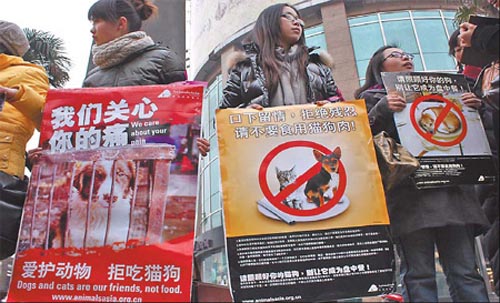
x=23 y=88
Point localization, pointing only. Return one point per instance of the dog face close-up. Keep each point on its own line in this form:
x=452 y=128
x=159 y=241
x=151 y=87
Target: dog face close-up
x=330 y=162
x=108 y=186
x=109 y=182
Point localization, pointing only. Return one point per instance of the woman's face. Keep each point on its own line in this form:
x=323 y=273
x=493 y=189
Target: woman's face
x=396 y=60
x=458 y=51
x=291 y=27
x=105 y=31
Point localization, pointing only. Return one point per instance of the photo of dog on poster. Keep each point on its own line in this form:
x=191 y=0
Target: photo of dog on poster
x=99 y=205
x=305 y=192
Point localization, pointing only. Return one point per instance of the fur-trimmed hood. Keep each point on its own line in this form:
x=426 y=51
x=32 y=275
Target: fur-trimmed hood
x=246 y=82
x=238 y=56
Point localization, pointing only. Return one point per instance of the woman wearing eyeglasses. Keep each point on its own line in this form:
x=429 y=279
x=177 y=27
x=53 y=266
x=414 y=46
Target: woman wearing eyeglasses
x=277 y=68
x=446 y=218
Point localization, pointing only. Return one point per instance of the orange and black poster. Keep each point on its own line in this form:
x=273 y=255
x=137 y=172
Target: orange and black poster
x=110 y=210
x=304 y=208
x=447 y=136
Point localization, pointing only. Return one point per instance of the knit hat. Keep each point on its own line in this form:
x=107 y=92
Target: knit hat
x=13 y=38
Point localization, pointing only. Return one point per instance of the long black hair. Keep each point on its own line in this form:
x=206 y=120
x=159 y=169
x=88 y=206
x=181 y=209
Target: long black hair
x=374 y=70
x=267 y=35
x=134 y=10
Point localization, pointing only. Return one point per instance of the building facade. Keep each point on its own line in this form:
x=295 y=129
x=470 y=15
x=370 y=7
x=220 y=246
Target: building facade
x=349 y=30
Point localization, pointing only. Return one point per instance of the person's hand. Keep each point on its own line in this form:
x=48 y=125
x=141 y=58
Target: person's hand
x=34 y=155
x=395 y=102
x=203 y=146
x=471 y=100
x=321 y=102
x=255 y=106
x=466 y=31
x=10 y=93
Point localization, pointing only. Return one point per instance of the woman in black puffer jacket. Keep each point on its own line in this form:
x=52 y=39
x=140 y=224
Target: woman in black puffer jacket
x=246 y=83
x=277 y=67
x=125 y=55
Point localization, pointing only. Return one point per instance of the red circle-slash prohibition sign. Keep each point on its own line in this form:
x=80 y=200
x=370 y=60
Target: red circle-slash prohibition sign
x=449 y=105
x=315 y=169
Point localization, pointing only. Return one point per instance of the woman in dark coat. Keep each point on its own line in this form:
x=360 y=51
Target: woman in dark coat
x=277 y=68
x=446 y=218
x=125 y=55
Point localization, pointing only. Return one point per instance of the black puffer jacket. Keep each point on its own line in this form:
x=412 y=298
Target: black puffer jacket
x=246 y=82
x=154 y=64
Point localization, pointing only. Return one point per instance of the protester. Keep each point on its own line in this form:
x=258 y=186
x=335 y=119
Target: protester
x=456 y=50
x=125 y=55
x=23 y=88
x=448 y=218
x=485 y=38
x=276 y=67
x=481 y=37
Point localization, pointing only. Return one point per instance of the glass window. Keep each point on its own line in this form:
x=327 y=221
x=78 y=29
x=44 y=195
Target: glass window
x=432 y=35
x=449 y=14
x=215 y=203
x=450 y=25
x=214 y=176
x=210 y=171
x=366 y=39
x=423 y=33
x=426 y=14
x=362 y=65
x=214 y=145
x=315 y=36
x=206 y=192
x=396 y=15
x=400 y=33
x=213 y=103
x=216 y=219
x=363 y=19
x=438 y=61
x=417 y=63
x=214 y=269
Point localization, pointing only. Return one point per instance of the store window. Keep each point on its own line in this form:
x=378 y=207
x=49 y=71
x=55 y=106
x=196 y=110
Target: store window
x=211 y=209
x=214 y=268
x=425 y=34
x=315 y=37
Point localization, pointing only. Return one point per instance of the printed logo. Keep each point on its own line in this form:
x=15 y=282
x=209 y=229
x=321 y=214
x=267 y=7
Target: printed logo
x=373 y=288
x=165 y=94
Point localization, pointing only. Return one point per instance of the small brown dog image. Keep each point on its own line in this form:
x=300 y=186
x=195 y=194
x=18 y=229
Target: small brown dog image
x=323 y=185
x=99 y=205
x=450 y=124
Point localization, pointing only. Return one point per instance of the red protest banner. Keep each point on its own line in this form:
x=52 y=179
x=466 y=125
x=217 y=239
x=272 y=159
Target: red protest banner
x=111 y=205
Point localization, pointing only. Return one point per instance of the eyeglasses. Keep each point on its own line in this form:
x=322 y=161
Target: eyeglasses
x=399 y=55
x=293 y=19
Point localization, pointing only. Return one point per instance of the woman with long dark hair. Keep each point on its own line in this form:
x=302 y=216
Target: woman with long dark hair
x=277 y=68
x=447 y=218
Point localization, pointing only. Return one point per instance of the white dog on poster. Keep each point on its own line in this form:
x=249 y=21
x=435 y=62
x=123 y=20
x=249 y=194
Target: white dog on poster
x=106 y=220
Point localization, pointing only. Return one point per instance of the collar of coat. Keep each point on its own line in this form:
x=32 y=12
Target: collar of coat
x=251 y=50
x=9 y=60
